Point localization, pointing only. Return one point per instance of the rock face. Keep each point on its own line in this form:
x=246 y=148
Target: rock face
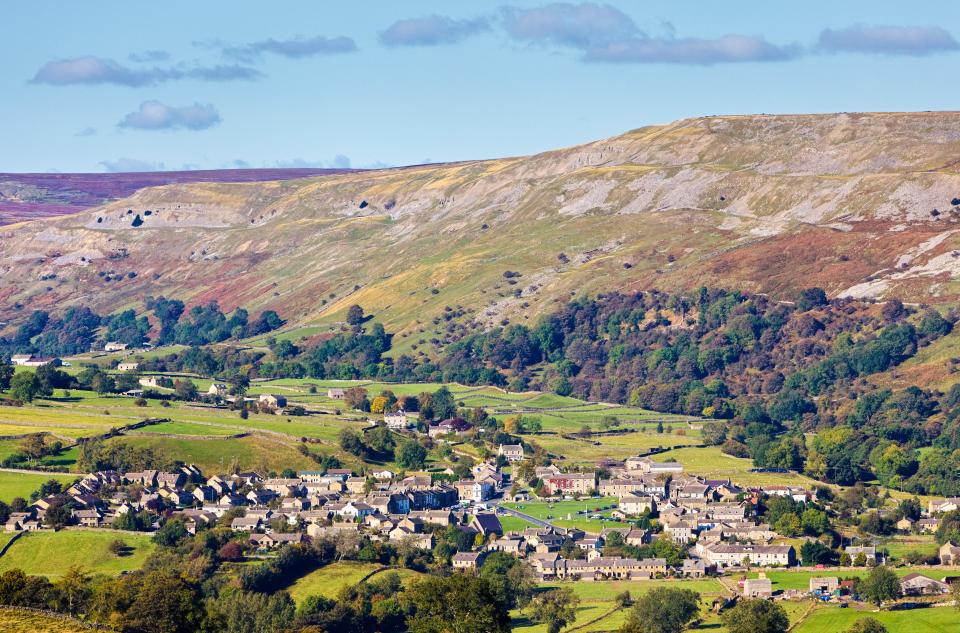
x=860 y=204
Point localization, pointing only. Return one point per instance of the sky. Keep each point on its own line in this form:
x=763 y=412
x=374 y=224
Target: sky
x=126 y=86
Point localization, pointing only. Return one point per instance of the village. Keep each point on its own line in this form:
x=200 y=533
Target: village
x=709 y=521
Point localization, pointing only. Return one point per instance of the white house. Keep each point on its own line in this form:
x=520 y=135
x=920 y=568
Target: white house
x=513 y=452
x=396 y=420
x=217 y=389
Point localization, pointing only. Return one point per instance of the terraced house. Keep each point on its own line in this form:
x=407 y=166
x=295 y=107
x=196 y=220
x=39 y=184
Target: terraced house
x=724 y=555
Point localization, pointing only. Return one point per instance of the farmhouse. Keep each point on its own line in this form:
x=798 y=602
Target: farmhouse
x=647 y=465
x=29 y=360
x=570 y=483
x=512 y=452
x=938 y=506
x=336 y=393
x=396 y=420
x=113 y=346
x=467 y=561
x=217 y=389
x=273 y=401
x=128 y=366
x=869 y=552
x=949 y=554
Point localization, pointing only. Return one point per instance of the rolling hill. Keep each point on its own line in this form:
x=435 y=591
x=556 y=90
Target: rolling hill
x=860 y=204
x=30 y=196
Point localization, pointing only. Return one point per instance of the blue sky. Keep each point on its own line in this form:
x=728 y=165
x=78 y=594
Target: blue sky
x=100 y=86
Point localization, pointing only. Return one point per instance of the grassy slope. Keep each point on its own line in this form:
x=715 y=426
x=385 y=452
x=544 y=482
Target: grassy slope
x=22 y=484
x=203 y=434
x=14 y=621
x=830 y=619
x=329 y=580
x=52 y=553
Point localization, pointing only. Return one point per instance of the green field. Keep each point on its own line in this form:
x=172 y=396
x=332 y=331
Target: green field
x=561 y=510
x=52 y=553
x=22 y=484
x=899 y=546
x=598 y=599
x=830 y=619
x=800 y=579
x=261 y=453
x=712 y=463
x=200 y=433
x=330 y=579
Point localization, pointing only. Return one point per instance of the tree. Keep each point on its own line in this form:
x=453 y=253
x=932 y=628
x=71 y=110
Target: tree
x=880 y=585
x=756 y=616
x=254 y=612
x=460 y=603
x=556 y=608
x=356 y=398
x=379 y=404
x=355 y=315
x=58 y=515
x=663 y=610
x=185 y=390
x=816 y=553
x=6 y=375
x=411 y=455
x=24 y=386
x=442 y=405
x=867 y=625
x=165 y=603
x=20 y=590
x=118 y=547
x=171 y=533
x=511 y=580
x=34 y=446
x=239 y=384
x=73 y=590
x=811 y=298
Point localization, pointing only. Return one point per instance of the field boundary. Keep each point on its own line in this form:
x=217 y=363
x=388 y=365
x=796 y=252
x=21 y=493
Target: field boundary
x=63 y=617
x=16 y=537
x=600 y=617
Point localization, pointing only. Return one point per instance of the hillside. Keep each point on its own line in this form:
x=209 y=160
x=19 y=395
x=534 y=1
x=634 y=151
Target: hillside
x=860 y=204
x=30 y=196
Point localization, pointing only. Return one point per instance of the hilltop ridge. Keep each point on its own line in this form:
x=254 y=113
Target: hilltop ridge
x=860 y=204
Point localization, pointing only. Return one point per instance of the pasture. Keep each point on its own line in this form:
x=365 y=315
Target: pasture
x=830 y=619
x=14 y=484
x=215 y=437
x=329 y=580
x=50 y=553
